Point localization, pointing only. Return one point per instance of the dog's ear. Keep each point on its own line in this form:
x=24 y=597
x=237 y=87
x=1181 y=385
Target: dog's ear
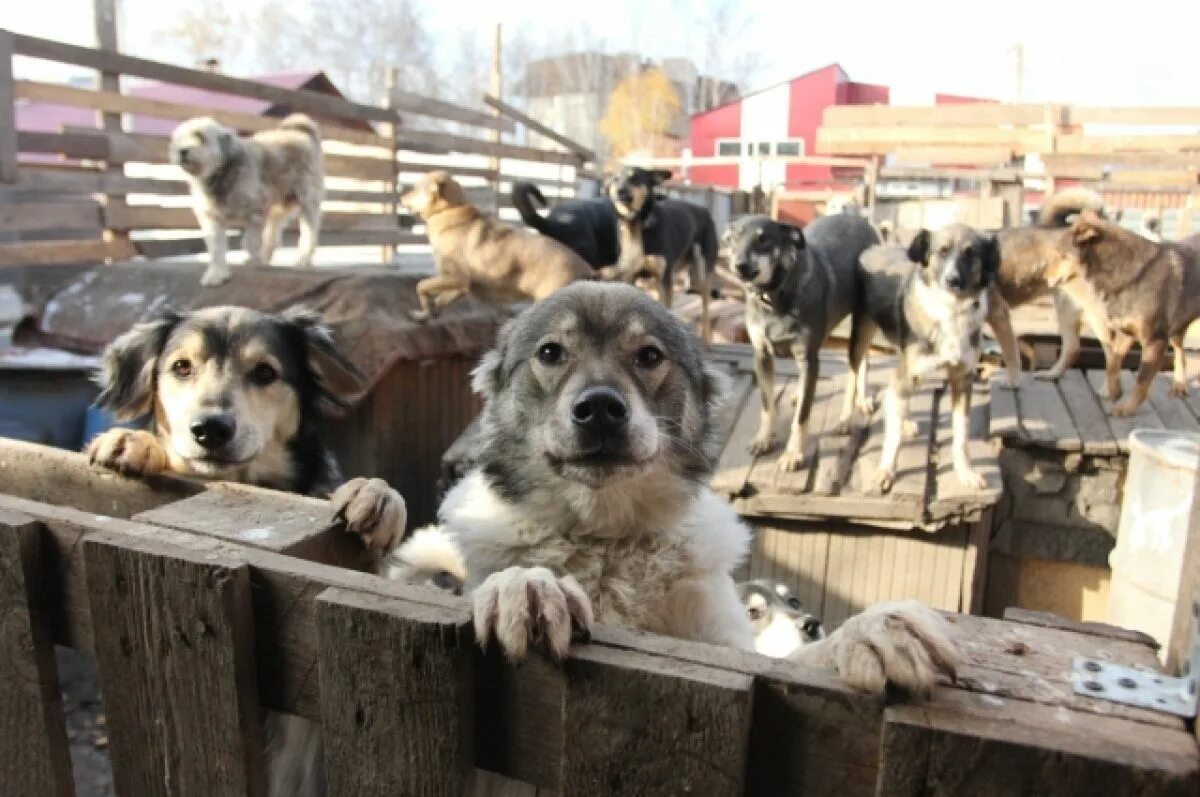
x=130 y=362
x=795 y=235
x=661 y=175
x=918 y=250
x=488 y=377
x=337 y=378
x=1086 y=229
x=226 y=141
x=990 y=257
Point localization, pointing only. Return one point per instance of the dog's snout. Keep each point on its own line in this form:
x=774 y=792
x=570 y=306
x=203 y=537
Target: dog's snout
x=184 y=153
x=746 y=269
x=811 y=626
x=954 y=280
x=624 y=194
x=600 y=409
x=213 y=431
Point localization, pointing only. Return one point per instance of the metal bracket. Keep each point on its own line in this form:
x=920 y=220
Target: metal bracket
x=1106 y=680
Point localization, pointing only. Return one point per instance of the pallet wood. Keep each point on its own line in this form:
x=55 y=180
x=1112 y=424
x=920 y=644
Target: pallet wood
x=419 y=105
x=1173 y=412
x=736 y=460
x=400 y=720
x=8 y=121
x=1087 y=414
x=33 y=740
x=28 y=216
x=534 y=125
x=150 y=217
x=106 y=61
x=60 y=253
x=479 y=146
x=639 y=727
x=1045 y=415
x=950 y=497
x=1006 y=420
x=1144 y=418
x=177 y=656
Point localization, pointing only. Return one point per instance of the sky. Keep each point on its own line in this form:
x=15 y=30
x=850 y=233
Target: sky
x=1133 y=54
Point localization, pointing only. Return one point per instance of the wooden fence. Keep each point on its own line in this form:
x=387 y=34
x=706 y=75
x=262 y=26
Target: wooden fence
x=370 y=154
x=206 y=604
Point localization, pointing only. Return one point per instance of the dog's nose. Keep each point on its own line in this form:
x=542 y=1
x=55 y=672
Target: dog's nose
x=213 y=431
x=811 y=627
x=600 y=409
x=954 y=280
x=746 y=270
x=184 y=152
x=624 y=194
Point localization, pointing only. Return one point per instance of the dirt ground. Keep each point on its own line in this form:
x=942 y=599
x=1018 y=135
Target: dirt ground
x=86 y=731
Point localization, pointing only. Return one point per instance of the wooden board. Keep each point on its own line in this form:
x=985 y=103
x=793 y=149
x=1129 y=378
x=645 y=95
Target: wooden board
x=950 y=497
x=537 y=127
x=8 y=121
x=34 y=756
x=1045 y=416
x=59 y=253
x=28 y=216
x=419 y=105
x=1144 y=418
x=1173 y=412
x=1088 y=415
x=177 y=656
x=400 y=720
x=639 y=727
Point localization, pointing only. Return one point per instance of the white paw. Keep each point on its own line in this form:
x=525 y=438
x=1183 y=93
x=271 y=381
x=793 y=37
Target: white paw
x=909 y=429
x=1050 y=374
x=971 y=479
x=521 y=606
x=215 y=275
x=791 y=460
x=880 y=482
x=129 y=451
x=372 y=510
x=904 y=644
x=762 y=444
x=867 y=406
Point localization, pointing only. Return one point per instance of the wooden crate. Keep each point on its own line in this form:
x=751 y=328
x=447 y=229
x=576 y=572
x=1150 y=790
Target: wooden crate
x=198 y=629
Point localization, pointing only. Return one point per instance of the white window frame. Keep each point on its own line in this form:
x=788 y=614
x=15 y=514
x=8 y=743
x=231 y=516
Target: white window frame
x=799 y=142
x=740 y=145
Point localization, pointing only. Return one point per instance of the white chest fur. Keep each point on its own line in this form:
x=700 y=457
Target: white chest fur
x=956 y=325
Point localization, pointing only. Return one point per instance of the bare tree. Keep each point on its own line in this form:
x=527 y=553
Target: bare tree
x=204 y=30
x=725 y=29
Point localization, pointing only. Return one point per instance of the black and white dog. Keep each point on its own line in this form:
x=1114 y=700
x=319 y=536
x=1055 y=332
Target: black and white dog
x=930 y=301
x=799 y=286
x=780 y=622
x=588 y=226
x=658 y=235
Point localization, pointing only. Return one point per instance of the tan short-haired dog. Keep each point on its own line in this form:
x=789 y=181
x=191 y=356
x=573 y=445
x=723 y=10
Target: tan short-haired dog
x=257 y=184
x=475 y=254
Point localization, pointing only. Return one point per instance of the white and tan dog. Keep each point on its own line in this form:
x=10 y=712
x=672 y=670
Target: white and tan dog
x=590 y=502
x=257 y=184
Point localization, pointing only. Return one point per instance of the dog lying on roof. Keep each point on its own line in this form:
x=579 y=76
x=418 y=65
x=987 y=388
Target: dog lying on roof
x=590 y=502
x=242 y=396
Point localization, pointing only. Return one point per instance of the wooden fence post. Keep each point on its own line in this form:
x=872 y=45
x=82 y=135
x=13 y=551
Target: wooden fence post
x=176 y=661
x=497 y=91
x=106 y=39
x=396 y=695
x=34 y=759
x=8 y=111
x=392 y=131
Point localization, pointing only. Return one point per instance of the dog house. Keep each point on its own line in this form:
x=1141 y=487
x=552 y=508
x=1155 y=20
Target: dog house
x=417 y=397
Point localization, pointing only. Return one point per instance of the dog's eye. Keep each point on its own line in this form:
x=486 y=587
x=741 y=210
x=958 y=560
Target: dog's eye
x=182 y=369
x=944 y=251
x=263 y=374
x=551 y=354
x=648 y=357
x=794 y=602
x=755 y=613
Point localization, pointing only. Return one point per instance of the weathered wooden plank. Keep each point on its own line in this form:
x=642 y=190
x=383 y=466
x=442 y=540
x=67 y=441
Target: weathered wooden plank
x=1095 y=435
x=764 y=472
x=419 y=105
x=972 y=114
x=733 y=467
x=912 y=465
x=171 y=247
x=479 y=146
x=163 y=109
x=1046 y=417
x=177 y=666
x=57 y=253
x=740 y=392
x=1144 y=418
x=1173 y=412
x=641 y=726
x=828 y=476
x=307 y=101
x=8 y=121
x=1006 y=421
x=34 y=757
x=961 y=745
x=152 y=217
x=537 y=127
x=396 y=695
x=950 y=496
x=1015 y=614
x=27 y=216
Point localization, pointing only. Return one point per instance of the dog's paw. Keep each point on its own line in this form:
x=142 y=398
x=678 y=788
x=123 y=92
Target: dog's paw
x=880 y=482
x=909 y=429
x=372 y=510
x=1126 y=408
x=524 y=606
x=791 y=460
x=129 y=451
x=762 y=444
x=1115 y=391
x=1179 y=389
x=420 y=316
x=1049 y=375
x=866 y=406
x=844 y=426
x=215 y=275
x=903 y=644
x=970 y=479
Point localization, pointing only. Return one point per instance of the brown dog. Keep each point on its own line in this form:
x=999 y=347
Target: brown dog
x=1151 y=295
x=1025 y=255
x=476 y=254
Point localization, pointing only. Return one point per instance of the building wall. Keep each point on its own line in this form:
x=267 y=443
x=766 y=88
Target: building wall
x=723 y=122
x=810 y=95
x=766 y=118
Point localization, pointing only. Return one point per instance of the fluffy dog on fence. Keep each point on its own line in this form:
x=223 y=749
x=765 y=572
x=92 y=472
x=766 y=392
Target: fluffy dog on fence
x=930 y=302
x=475 y=254
x=799 y=286
x=257 y=184
x=242 y=396
x=590 y=499
x=781 y=625
x=1151 y=294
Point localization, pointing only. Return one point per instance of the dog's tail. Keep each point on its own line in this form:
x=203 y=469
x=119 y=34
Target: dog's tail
x=301 y=123
x=1059 y=210
x=523 y=197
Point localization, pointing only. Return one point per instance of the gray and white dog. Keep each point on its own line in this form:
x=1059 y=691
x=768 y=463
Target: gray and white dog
x=930 y=301
x=780 y=622
x=799 y=286
x=257 y=184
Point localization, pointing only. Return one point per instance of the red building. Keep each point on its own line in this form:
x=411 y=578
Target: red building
x=780 y=120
